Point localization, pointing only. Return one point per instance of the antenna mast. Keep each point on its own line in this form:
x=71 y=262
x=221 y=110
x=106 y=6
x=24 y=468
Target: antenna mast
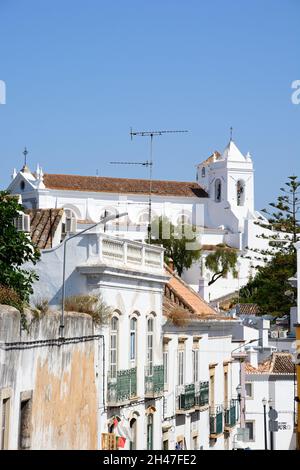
x=147 y=163
x=151 y=134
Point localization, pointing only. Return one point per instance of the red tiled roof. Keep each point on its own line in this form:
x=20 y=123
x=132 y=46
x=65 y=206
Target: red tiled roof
x=178 y=295
x=279 y=363
x=248 y=309
x=43 y=225
x=263 y=368
x=123 y=185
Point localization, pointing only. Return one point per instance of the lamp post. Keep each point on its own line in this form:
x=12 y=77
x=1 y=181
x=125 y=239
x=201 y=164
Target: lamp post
x=271 y=432
x=102 y=221
x=264 y=402
x=242 y=401
x=239 y=396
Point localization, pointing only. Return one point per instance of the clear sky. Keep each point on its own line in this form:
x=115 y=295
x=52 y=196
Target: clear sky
x=80 y=73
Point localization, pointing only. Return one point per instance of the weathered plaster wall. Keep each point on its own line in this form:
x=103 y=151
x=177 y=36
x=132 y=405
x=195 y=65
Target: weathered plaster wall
x=63 y=378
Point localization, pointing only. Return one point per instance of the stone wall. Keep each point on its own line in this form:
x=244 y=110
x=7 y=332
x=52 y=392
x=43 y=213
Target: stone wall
x=50 y=387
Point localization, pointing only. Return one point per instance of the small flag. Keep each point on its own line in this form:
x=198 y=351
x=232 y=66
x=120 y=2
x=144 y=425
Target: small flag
x=116 y=421
x=121 y=442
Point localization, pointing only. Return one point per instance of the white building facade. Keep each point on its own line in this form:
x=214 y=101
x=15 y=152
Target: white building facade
x=220 y=204
x=130 y=277
x=272 y=383
x=162 y=386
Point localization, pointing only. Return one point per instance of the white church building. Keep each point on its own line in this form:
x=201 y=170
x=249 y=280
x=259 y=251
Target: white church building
x=220 y=204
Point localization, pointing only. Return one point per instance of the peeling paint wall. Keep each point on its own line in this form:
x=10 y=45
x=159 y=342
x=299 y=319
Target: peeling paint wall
x=62 y=376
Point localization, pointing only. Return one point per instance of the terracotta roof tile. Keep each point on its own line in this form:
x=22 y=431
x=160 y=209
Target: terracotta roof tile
x=123 y=185
x=248 y=309
x=43 y=225
x=179 y=295
x=279 y=363
x=282 y=364
x=263 y=368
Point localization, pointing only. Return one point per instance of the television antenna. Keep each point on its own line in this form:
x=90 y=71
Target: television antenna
x=148 y=163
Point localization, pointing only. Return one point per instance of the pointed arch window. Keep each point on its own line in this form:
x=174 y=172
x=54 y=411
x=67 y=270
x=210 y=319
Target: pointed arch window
x=218 y=190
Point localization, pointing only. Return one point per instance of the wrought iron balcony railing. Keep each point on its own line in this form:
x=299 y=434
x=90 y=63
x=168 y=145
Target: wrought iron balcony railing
x=230 y=415
x=122 y=388
x=216 y=420
x=201 y=394
x=185 y=397
x=154 y=380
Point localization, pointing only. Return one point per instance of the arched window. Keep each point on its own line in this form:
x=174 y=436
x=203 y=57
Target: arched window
x=69 y=221
x=133 y=341
x=133 y=424
x=150 y=431
x=240 y=192
x=184 y=219
x=203 y=172
x=143 y=218
x=218 y=190
x=150 y=324
x=114 y=332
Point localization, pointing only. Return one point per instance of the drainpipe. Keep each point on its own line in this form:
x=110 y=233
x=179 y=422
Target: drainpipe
x=243 y=391
x=102 y=405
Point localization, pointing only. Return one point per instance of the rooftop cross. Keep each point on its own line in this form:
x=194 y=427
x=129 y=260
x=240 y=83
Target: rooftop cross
x=25 y=153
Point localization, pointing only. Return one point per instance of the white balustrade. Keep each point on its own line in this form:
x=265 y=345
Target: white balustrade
x=125 y=252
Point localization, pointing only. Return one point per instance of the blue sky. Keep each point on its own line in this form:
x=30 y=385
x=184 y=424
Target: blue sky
x=79 y=74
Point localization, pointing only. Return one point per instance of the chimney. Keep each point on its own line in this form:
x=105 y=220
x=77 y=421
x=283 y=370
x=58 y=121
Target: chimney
x=263 y=328
x=252 y=357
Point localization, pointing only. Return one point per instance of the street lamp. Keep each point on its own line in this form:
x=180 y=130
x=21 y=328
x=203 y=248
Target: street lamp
x=264 y=402
x=295 y=360
x=239 y=396
x=245 y=344
x=241 y=393
x=271 y=432
x=102 y=221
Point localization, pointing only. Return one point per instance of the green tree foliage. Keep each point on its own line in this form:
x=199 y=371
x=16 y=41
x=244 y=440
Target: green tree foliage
x=282 y=220
x=180 y=242
x=16 y=249
x=269 y=287
x=222 y=262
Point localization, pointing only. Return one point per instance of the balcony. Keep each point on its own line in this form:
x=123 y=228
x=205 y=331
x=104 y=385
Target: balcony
x=154 y=381
x=120 y=252
x=185 y=397
x=201 y=394
x=230 y=416
x=122 y=388
x=216 y=421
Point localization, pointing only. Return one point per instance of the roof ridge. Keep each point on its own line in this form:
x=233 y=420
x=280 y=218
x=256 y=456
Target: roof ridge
x=121 y=178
